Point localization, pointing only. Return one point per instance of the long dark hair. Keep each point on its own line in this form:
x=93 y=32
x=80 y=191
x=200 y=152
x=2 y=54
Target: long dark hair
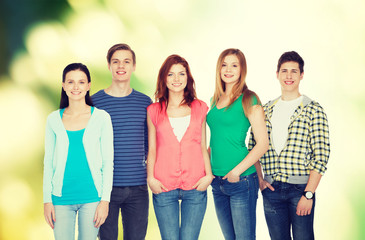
x=162 y=93
x=72 y=67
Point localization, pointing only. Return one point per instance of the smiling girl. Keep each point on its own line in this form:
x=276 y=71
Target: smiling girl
x=78 y=160
x=178 y=166
x=234 y=109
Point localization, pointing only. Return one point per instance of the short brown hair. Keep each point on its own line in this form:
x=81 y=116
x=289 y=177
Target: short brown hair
x=291 y=57
x=120 y=46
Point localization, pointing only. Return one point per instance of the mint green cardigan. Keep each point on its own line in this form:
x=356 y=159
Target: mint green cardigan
x=98 y=144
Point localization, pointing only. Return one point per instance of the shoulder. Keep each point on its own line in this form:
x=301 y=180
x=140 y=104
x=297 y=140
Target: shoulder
x=153 y=109
x=101 y=112
x=312 y=105
x=98 y=94
x=154 y=106
x=53 y=115
x=199 y=103
x=141 y=96
x=270 y=103
x=199 y=106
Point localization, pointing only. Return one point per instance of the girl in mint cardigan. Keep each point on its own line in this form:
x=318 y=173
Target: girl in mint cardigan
x=78 y=160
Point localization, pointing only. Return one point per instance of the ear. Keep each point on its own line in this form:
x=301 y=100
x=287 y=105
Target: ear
x=88 y=86
x=301 y=75
x=134 y=67
x=277 y=75
x=63 y=86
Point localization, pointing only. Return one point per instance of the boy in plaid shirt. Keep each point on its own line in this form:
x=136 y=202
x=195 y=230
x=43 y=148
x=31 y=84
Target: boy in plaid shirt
x=297 y=156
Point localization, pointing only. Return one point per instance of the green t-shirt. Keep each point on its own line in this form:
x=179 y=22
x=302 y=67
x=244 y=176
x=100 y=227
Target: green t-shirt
x=228 y=131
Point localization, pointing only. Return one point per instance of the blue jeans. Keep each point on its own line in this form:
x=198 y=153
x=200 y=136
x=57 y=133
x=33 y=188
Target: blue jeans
x=133 y=203
x=235 y=205
x=64 y=226
x=280 y=212
x=167 y=210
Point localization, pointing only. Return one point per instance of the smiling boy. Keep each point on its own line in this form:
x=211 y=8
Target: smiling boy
x=297 y=156
x=127 y=109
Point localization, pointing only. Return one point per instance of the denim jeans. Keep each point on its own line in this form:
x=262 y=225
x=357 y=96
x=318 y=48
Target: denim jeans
x=64 y=226
x=280 y=212
x=167 y=210
x=133 y=203
x=235 y=205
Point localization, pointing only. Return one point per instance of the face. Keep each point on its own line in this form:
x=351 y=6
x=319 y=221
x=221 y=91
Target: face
x=76 y=85
x=289 y=77
x=177 y=78
x=231 y=70
x=121 y=66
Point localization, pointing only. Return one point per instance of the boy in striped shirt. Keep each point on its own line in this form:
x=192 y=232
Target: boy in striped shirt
x=127 y=109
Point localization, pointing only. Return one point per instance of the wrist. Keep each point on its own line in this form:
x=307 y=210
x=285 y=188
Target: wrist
x=308 y=195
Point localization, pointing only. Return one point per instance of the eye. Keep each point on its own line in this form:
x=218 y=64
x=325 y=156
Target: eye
x=115 y=61
x=170 y=74
x=182 y=74
x=235 y=65
x=127 y=61
x=224 y=65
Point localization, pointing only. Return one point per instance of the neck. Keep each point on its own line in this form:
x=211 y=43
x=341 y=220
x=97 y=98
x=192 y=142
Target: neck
x=119 y=89
x=175 y=99
x=77 y=107
x=228 y=91
x=287 y=96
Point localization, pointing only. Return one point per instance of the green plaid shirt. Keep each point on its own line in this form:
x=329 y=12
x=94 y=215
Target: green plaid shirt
x=307 y=147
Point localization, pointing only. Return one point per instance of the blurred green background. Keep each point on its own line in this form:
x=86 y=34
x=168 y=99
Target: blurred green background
x=39 y=38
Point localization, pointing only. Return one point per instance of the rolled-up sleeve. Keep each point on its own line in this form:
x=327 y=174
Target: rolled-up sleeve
x=319 y=141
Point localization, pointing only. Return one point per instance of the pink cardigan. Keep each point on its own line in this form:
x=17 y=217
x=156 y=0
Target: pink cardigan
x=178 y=164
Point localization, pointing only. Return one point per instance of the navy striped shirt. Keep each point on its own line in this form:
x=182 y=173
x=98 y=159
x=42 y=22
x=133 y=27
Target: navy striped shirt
x=128 y=116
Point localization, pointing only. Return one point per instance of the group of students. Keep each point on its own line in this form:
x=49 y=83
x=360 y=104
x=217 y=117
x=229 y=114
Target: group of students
x=102 y=151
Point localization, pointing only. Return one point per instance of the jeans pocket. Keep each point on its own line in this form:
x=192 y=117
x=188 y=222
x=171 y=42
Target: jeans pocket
x=299 y=187
x=143 y=188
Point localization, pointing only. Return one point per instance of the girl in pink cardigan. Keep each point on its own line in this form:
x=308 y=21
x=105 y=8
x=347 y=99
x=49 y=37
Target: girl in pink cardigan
x=178 y=165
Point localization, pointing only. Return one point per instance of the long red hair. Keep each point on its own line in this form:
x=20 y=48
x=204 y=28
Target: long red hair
x=162 y=92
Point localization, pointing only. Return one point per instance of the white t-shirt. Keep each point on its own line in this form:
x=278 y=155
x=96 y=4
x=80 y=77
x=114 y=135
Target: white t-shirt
x=179 y=126
x=280 y=121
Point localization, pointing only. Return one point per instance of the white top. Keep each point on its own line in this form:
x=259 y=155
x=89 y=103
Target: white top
x=179 y=126
x=280 y=121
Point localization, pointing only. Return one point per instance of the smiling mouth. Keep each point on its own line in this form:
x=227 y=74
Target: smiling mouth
x=176 y=84
x=76 y=93
x=228 y=75
x=288 y=82
x=121 y=72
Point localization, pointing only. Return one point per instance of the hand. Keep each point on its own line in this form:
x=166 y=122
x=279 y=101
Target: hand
x=232 y=177
x=49 y=214
x=304 y=206
x=155 y=185
x=203 y=183
x=264 y=184
x=101 y=213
